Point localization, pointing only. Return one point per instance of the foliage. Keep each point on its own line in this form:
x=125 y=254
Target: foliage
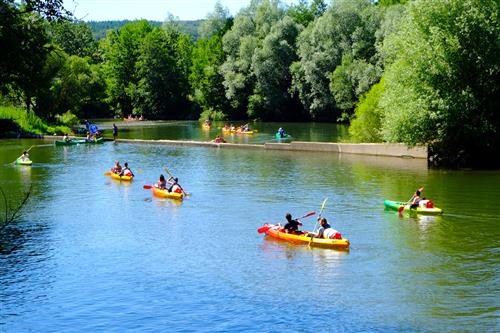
x=321 y=47
x=12 y=213
x=29 y=122
x=67 y=119
x=75 y=38
x=443 y=79
x=101 y=28
x=303 y=13
x=366 y=124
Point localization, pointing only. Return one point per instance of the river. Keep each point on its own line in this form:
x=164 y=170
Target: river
x=90 y=254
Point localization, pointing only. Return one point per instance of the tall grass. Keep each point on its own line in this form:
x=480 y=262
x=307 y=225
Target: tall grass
x=29 y=122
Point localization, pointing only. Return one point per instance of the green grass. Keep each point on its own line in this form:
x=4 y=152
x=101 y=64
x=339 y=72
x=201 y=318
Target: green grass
x=29 y=122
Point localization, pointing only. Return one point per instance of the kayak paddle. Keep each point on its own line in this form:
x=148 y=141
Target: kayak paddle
x=107 y=173
x=319 y=216
x=264 y=229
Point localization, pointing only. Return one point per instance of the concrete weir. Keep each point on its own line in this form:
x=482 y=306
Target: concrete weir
x=372 y=149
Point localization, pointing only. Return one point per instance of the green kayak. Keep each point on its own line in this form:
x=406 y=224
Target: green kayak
x=284 y=136
x=78 y=142
x=26 y=162
x=395 y=205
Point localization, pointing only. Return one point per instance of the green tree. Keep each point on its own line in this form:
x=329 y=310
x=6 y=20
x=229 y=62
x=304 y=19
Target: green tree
x=443 y=82
x=75 y=38
x=271 y=67
x=366 y=124
x=121 y=51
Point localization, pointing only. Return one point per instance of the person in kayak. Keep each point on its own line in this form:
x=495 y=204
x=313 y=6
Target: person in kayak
x=117 y=169
x=292 y=226
x=415 y=200
x=24 y=157
x=281 y=132
x=175 y=187
x=126 y=171
x=162 y=183
x=325 y=231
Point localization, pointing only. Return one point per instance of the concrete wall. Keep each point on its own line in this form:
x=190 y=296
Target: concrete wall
x=374 y=149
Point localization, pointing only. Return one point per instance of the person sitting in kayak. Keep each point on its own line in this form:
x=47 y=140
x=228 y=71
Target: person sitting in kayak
x=65 y=137
x=25 y=156
x=117 y=169
x=175 y=187
x=292 y=226
x=218 y=139
x=162 y=183
x=281 y=132
x=126 y=171
x=415 y=200
x=325 y=231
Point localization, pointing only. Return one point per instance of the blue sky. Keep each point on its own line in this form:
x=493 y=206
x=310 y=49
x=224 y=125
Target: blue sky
x=101 y=10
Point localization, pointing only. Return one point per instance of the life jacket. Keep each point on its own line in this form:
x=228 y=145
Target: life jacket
x=176 y=188
x=127 y=172
x=331 y=234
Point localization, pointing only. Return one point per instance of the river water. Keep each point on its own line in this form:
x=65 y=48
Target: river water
x=90 y=254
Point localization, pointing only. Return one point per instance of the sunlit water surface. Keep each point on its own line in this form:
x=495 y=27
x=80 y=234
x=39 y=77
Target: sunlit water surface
x=92 y=254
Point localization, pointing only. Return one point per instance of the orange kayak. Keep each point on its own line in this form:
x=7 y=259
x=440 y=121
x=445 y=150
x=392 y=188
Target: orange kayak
x=277 y=231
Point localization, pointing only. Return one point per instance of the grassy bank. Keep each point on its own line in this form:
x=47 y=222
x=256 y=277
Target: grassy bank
x=19 y=121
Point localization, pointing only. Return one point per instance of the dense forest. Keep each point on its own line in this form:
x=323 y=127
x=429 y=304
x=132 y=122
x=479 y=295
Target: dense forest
x=417 y=72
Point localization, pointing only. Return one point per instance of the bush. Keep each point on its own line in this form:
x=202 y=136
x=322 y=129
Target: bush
x=67 y=119
x=213 y=115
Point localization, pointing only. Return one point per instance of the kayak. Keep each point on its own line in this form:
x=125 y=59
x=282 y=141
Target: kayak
x=285 y=136
x=26 y=162
x=277 y=231
x=118 y=177
x=395 y=205
x=237 y=131
x=166 y=194
x=244 y=132
x=78 y=141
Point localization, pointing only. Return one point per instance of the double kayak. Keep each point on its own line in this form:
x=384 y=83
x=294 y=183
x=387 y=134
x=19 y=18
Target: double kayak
x=78 y=142
x=396 y=205
x=118 y=177
x=166 y=194
x=278 y=232
x=23 y=162
x=237 y=131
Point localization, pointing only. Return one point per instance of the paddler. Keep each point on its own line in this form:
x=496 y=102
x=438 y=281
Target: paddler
x=292 y=226
x=117 y=169
x=126 y=171
x=162 y=183
x=175 y=187
x=25 y=156
x=325 y=231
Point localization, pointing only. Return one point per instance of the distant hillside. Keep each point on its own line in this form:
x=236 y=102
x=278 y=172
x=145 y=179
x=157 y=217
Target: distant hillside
x=99 y=28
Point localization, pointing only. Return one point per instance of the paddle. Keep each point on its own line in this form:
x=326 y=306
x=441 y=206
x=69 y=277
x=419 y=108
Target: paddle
x=264 y=229
x=401 y=208
x=107 y=173
x=319 y=217
x=27 y=150
x=172 y=176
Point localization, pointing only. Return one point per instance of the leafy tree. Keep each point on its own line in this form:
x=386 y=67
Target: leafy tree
x=121 y=53
x=271 y=67
x=366 y=124
x=75 y=38
x=443 y=82
x=303 y=13
x=161 y=92
x=215 y=22
x=321 y=46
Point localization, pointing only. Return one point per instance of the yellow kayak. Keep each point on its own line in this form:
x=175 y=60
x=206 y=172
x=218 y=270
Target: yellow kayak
x=118 y=177
x=166 y=194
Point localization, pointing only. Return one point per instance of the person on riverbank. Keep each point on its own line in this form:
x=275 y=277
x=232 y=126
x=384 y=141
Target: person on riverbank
x=174 y=185
x=115 y=131
x=292 y=226
x=126 y=171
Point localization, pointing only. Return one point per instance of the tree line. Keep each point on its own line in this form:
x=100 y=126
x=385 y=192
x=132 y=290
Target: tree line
x=418 y=72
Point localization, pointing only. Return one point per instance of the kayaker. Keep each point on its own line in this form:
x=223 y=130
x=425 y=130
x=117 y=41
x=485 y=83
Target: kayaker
x=415 y=200
x=218 y=139
x=175 y=187
x=325 y=230
x=25 y=156
x=162 y=183
x=281 y=132
x=126 y=171
x=117 y=169
x=66 y=137
x=115 y=132
x=292 y=226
